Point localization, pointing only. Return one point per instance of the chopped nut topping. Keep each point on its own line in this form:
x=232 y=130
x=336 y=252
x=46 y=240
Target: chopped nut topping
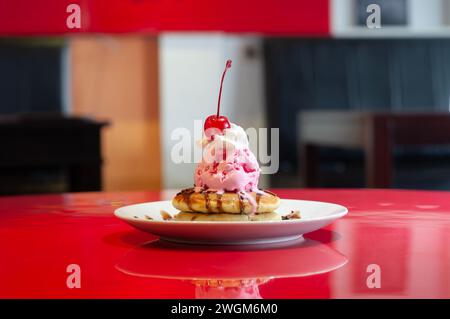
x=165 y=215
x=295 y=214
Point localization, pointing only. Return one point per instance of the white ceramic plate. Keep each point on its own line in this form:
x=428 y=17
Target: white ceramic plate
x=315 y=215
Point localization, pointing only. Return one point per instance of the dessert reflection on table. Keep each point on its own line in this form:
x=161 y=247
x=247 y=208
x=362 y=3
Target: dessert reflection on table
x=230 y=271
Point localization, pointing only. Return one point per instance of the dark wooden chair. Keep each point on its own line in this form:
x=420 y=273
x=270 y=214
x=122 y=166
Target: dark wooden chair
x=375 y=133
x=71 y=144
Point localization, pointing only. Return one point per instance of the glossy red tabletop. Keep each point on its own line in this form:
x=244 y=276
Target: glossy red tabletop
x=404 y=236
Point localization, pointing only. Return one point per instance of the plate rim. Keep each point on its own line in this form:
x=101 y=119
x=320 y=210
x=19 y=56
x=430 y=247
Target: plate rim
x=261 y=222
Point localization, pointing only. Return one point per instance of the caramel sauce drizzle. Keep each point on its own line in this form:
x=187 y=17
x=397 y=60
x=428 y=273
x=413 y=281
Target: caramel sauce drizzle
x=241 y=202
x=207 y=201
x=269 y=192
x=186 y=193
x=219 y=203
x=258 y=198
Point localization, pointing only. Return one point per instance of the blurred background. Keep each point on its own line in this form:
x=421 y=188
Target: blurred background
x=90 y=91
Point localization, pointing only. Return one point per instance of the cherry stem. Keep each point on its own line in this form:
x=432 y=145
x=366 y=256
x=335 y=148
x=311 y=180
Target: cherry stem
x=227 y=66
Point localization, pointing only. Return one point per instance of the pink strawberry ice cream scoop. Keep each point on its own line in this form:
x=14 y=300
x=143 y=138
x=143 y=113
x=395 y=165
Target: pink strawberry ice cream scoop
x=227 y=163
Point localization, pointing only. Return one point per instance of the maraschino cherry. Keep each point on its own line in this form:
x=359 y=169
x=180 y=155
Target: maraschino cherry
x=218 y=122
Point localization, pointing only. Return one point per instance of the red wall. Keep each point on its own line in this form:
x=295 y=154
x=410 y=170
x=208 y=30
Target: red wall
x=285 y=17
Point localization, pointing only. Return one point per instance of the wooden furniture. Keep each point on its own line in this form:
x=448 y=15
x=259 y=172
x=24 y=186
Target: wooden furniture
x=70 y=144
x=375 y=133
x=118 y=80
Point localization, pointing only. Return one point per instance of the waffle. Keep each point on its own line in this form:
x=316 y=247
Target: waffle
x=219 y=217
x=188 y=200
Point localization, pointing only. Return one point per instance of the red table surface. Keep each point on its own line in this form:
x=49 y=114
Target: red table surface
x=405 y=233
